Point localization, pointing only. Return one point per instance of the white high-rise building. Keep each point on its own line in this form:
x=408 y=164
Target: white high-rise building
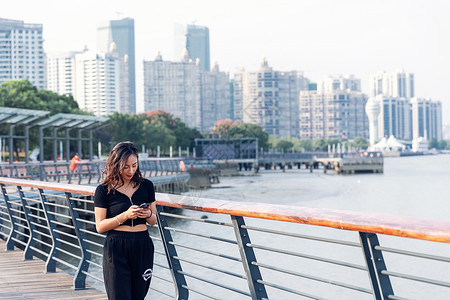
x=392 y=84
x=22 y=53
x=61 y=72
x=269 y=99
x=98 y=82
x=336 y=114
x=198 y=98
x=339 y=83
x=426 y=119
x=394 y=118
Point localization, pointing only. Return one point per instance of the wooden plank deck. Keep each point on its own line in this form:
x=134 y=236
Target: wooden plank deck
x=25 y=279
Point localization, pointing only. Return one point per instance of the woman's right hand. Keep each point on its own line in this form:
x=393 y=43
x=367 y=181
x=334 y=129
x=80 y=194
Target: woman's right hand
x=132 y=212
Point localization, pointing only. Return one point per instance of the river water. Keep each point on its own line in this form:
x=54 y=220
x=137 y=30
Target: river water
x=416 y=186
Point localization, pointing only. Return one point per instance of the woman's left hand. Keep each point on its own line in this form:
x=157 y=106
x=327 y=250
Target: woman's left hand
x=144 y=213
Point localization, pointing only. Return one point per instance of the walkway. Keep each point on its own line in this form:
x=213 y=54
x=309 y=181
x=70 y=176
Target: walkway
x=20 y=279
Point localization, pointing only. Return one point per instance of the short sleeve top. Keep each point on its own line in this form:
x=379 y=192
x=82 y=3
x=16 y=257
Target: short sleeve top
x=115 y=202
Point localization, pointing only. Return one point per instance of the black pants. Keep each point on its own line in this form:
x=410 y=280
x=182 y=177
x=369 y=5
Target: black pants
x=127 y=264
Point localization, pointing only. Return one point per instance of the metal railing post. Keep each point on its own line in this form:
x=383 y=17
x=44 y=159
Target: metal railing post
x=12 y=233
x=175 y=267
x=79 y=279
x=28 y=251
x=381 y=284
x=257 y=290
x=50 y=265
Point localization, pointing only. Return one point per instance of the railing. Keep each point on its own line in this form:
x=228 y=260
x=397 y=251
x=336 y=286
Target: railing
x=215 y=249
x=86 y=172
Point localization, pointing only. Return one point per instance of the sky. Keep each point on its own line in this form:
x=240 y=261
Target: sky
x=319 y=38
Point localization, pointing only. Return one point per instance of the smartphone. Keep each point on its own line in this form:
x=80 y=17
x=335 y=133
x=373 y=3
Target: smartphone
x=144 y=205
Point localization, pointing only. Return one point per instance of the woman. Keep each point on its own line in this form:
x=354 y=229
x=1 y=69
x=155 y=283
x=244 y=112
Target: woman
x=128 y=249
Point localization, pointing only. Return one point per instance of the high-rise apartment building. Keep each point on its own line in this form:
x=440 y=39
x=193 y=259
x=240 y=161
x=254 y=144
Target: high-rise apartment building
x=121 y=33
x=394 y=118
x=339 y=83
x=198 y=98
x=195 y=39
x=269 y=99
x=426 y=119
x=22 y=53
x=215 y=97
x=97 y=87
x=392 y=84
x=61 y=72
x=334 y=114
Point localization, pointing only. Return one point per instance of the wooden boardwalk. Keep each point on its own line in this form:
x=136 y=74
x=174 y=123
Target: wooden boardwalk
x=25 y=279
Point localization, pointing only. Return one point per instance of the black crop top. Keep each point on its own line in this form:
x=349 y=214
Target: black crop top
x=115 y=202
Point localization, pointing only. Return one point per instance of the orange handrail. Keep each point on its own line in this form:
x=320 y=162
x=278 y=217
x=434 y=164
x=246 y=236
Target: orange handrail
x=438 y=231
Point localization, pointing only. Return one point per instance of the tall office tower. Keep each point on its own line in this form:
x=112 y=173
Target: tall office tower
x=215 y=97
x=22 y=53
x=393 y=84
x=339 y=83
x=394 y=118
x=426 y=119
x=97 y=77
x=336 y=114
x=195 y=39
x=269 y=99
x=198 y=98
x=121 y=32
x=61 y=72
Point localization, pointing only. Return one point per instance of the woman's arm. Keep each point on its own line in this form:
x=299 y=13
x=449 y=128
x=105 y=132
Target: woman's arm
x=149 y=214
x=102 y=224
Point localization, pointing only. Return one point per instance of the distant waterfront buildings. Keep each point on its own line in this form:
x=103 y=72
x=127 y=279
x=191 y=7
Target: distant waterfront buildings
x=121 y=33
x=392 y=84
x=21 y=52
x=334 y=114
x=269 y=99
x=339 y=83
x=97 y=77
x=195 y=39
x=426 y=119
x=198 y=98
x=61 y=72
x=394 y=118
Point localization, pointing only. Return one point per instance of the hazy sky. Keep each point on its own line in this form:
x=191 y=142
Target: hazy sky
x=320 y=37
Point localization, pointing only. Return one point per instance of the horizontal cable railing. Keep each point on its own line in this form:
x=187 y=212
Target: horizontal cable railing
x=216 y=249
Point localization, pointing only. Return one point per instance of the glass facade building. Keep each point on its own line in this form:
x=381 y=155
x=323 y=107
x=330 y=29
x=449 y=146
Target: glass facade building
x=195 y=39
x=121 y=32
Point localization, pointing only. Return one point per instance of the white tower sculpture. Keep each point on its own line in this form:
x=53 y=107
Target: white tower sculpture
x=372 y=111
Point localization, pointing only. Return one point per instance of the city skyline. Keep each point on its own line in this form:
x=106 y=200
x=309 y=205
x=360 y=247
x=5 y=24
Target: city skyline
x=320 y=39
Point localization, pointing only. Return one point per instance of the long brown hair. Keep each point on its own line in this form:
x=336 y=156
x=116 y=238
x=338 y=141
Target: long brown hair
x=116 y=163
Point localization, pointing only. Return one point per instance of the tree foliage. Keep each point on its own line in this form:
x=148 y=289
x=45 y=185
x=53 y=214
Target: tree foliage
x=22 y=94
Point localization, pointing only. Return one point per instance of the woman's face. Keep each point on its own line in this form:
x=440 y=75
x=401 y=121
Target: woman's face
x=130 y=168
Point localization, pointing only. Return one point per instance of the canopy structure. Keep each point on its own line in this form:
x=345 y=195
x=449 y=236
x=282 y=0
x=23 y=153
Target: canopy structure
x=391 y=144
x=30 y=118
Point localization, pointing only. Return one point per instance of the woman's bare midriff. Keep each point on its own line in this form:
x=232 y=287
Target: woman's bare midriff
x=140 y=227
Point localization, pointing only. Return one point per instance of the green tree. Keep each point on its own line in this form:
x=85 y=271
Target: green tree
x=433 y=144
x=247 y=130
x=22 y=94
x=285 y=145
x=442 y=144
x=360 y=143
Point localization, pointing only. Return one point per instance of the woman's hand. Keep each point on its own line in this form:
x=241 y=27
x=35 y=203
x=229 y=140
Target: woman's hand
x=145 y=213
x=132 y=212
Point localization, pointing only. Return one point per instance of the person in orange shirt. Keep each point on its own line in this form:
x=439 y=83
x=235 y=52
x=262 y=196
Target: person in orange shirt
x=75 y=160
